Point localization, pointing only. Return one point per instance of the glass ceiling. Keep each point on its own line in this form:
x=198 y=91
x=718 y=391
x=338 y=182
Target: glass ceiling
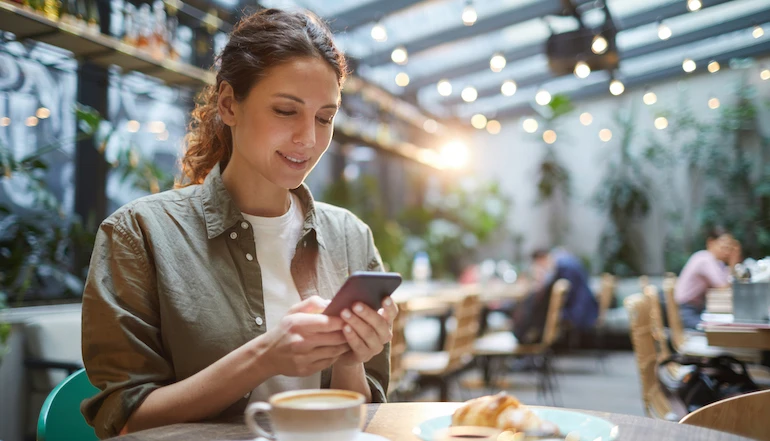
x=465 y=58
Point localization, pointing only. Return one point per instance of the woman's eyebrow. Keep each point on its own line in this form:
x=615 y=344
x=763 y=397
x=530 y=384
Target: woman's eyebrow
x=301 y=101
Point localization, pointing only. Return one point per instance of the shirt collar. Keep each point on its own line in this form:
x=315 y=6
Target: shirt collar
x=221 y=212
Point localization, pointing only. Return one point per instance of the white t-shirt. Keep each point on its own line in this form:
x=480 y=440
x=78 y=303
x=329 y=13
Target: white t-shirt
x=276 y=240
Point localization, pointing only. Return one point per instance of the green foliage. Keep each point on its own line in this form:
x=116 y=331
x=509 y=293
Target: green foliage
x=624 y=196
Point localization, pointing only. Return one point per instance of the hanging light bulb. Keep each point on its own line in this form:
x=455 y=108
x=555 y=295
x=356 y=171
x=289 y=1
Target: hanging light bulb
x=714 y=66
x=444 y=88
x=586 y=119
x=43 y=113
x=479 y=121
x=765 y=74
x=664 y=32
x=758 y=31
x=616 y=87
x=5 y=121
x=694 y=5
x=599 y=44
x=493 y=127
x=549 y=136
x=530 y=125
x=402 y=79
x=497 y=62
x=650 y=98
x=661 y=123
x=688 y=65
x=379 y=33
x=508 y=88
x=399 y=55
x=469 y=14
x=542 y=97
x=605 y=135
x=713 y=103
x=31 y=121
x=469 y=94
x=582 y=69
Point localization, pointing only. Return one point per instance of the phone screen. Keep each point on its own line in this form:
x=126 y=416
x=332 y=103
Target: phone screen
x=369 y=288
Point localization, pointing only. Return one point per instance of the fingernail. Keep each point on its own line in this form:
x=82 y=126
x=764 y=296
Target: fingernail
x=348 y=328
x=358 y=308
x=388 y=302
x=346 y=314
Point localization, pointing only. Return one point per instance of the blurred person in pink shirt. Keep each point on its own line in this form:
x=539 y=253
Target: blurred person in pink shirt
x=706 y=269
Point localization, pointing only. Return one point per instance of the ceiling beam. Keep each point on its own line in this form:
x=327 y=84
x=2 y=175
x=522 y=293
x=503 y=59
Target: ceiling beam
x=366 y=13
x=482 y=26
x=482 y=62
x=596 y=89
x=736 y=24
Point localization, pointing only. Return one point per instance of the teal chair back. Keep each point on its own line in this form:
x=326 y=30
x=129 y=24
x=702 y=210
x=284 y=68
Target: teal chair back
x=60 y=418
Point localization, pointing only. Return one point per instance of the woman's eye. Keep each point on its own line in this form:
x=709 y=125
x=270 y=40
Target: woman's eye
x=284 y=112
x=325 y=121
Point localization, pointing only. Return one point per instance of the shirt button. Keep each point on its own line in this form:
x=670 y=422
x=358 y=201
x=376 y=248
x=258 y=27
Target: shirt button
x=233 y=235
x=245 y=225
x=259 y=321
x=304 y=243
x=249 y=257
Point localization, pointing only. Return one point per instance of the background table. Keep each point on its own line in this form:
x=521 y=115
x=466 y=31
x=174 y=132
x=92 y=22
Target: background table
x=396 y=420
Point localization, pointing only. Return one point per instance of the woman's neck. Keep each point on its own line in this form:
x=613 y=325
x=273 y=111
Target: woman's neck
x=253 y=194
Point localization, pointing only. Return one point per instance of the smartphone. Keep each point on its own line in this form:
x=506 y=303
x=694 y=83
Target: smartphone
x=369 y=288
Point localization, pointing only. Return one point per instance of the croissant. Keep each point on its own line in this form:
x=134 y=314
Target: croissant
x=503 y=412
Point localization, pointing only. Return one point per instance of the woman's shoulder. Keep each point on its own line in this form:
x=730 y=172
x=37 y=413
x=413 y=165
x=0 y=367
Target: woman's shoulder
x=167 y=203
x=332 y=216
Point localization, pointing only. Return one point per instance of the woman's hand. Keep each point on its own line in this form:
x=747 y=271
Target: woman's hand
x=305 y=341
x=367 y=331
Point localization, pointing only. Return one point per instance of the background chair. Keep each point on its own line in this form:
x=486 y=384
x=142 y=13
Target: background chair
x=60 y=418
x=743 y=415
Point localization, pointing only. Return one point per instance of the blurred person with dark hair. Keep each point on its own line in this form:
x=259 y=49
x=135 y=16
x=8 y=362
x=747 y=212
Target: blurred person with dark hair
x=706 y=269
x=580 y=306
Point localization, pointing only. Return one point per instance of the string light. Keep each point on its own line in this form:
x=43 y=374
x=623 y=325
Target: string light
x=5 y=121
x=399 y=55
x=688 y=65
x=542 y=97
x=469 y=94
x=694 y=5
x=586 y=119
x=661 y=123
x=757 y=32
x=650 y=98
x=714 y=103
x=430 y=125
x=582 y=69
x=379 y=33
x=479 y=121
x=497 y=63
x=133 y=126
x=599 y=44
x=617 y=87
x=549 y=136
x=469 y=14
x=156 y=127
x=530 y=125
x=493 y=127
x=664 y=32
x=31 y=121
x=454 y=155
x=714 y=66
x=765 y=74
x=605 y=135
x=402 y=79
x=43 y=113
x=508 y=88
x=444 y=88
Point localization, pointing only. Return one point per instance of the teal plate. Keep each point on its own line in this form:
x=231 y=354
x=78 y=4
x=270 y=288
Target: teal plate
x=586 y=427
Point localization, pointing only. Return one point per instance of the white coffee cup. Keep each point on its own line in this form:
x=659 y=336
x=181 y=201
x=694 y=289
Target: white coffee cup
x=310 y=415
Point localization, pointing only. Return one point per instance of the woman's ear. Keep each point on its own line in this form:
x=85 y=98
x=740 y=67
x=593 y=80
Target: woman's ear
x=226 y=103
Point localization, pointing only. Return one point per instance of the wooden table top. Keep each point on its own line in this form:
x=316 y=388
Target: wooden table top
x=395 y=422
x=743 y=336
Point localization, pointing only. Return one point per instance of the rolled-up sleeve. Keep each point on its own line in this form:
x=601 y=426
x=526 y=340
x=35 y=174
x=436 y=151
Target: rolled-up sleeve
x=122 y=347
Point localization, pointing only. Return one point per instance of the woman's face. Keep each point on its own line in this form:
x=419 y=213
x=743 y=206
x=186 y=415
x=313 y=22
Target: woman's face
x=285 y=124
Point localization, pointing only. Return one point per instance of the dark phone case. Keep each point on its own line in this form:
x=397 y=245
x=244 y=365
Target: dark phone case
x=366 y=287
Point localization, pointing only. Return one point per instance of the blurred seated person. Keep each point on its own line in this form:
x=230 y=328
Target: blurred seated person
x=706 y=269
x=580 y=306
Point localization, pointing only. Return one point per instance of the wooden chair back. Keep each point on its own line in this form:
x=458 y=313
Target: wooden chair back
x=742 y=415
x=605 y=296
x=656 y=404
x=555 y=305
x=462 y=331
x=672 y=312
x=656 y=322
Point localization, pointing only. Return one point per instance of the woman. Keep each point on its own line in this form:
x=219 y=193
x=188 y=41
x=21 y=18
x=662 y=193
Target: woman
x=207 y=296
x=703 y=271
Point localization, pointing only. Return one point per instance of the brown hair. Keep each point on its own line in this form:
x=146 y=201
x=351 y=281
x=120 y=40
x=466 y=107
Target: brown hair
x=258 y=42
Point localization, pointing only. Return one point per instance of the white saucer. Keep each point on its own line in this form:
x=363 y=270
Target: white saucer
x=370 y=437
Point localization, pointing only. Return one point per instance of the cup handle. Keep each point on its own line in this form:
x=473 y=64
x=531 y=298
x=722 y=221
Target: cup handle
x=251 y=412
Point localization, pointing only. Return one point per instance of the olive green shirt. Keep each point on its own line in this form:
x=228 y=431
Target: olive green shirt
x=175 y=284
